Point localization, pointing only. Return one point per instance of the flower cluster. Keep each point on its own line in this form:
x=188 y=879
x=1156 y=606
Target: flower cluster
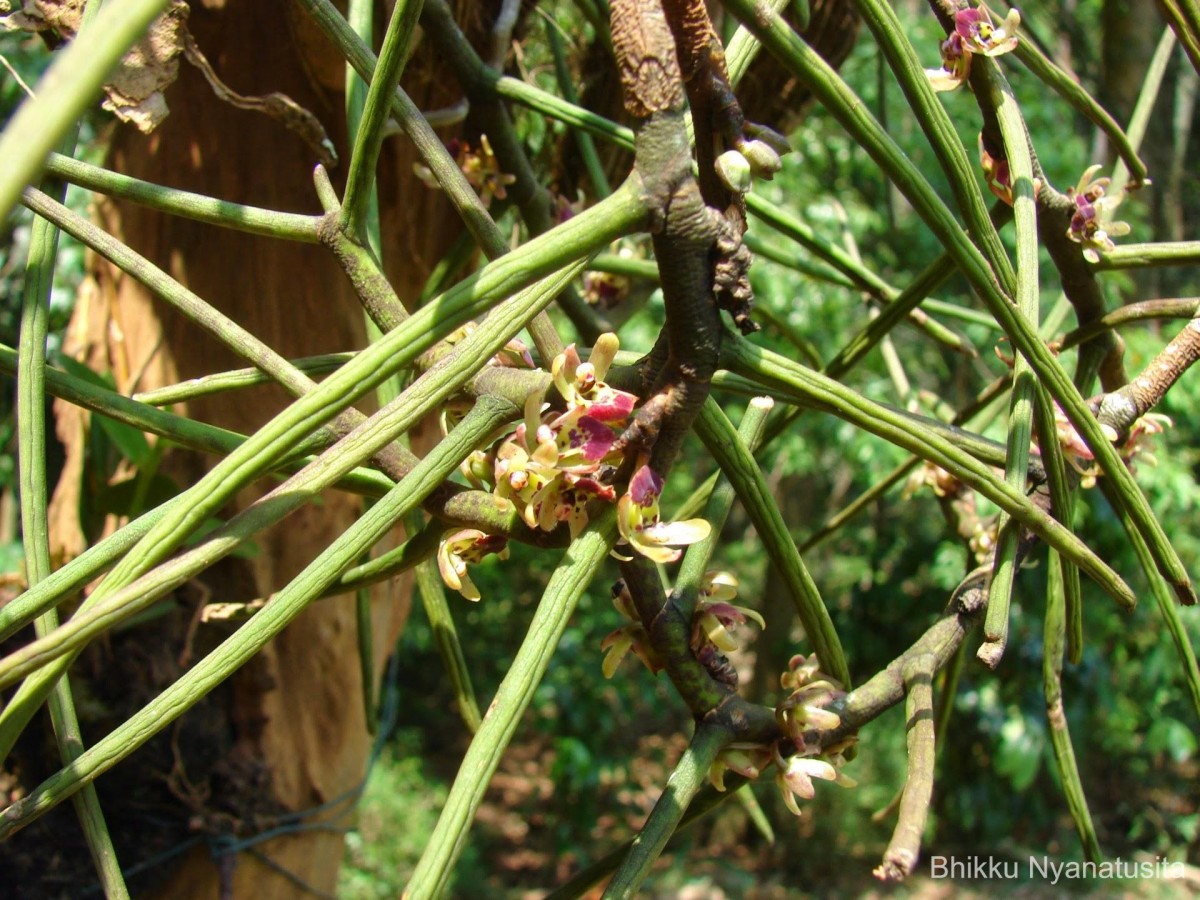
x=1080 y=457
x=1091 y=221
x=804 y=708
x=974 y=34
x=811 y=692
x=480 y=168
x=554 y=464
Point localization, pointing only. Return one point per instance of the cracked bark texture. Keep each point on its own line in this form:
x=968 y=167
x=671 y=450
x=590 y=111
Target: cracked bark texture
x=684 y=230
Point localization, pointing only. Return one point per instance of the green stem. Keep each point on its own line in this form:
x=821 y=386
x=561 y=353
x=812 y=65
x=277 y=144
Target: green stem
x=1139 y=120
x=35 y=526
x=1054 y=640
x=688 y=777
x=1062 y=505
x=1020 y=413
x=904 y=848
x=201 y=208
x=1143 y=256
x=236 y=379
x=572 y=576
x=720 y=501
x=263 y=627
x=747 y=478
x=368 y=135
x=445 y=638
x=583 y=140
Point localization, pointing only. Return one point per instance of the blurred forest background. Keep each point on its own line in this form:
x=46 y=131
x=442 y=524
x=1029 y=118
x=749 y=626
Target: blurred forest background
x=586 y=765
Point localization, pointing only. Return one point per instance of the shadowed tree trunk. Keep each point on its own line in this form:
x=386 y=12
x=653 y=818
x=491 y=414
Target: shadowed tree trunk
x=287 y=734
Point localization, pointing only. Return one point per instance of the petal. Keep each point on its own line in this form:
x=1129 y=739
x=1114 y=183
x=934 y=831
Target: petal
x=590 y=437
x=943 y=80
x=617 y=644
x=716 y=775
x=821 y=719
x=610 y=405
x=788 y=799
x=655 y=552
x=645 y=487
x=628 y=517
x=815 y=768
x=999 y=48
x=468 y=589
x=447 y=569
x=677 y=534
x=563 y=370
x=534 y=404
x=716 y=633
x=603 y=353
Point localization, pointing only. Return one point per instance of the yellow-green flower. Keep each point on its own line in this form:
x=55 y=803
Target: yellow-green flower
x=462 y=548
x=642 y=528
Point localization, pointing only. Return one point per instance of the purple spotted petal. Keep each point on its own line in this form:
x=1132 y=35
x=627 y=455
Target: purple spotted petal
x=592 y=487
x=592 y=438
x=611 y=405
x=966 y=22
x=645 y=486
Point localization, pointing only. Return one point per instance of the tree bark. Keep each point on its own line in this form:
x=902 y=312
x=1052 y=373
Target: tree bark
x=289 y=733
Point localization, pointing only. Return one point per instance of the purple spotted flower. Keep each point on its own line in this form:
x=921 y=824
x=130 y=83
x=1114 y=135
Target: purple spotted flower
x=974 y=33
x=1091 y=222
x=980 y=35
x=642 y=527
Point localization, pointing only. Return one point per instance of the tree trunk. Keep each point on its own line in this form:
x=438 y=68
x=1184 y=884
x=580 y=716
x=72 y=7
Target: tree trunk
x=287 y=734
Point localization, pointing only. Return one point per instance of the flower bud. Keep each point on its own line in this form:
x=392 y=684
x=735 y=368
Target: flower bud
x=768 y=136
x=764 y=162
x=735 y=171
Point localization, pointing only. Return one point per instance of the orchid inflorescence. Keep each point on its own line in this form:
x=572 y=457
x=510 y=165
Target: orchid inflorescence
x=714 y=614
x=556 y=462
x=811 y=691
x=1136 y=444
x=480 y=167
x=1091 y=222
x=630 y=636
x=974 y=34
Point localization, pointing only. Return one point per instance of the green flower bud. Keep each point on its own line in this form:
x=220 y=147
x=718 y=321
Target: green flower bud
x=768 y=136
x=764 y=162
x=735 y=171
